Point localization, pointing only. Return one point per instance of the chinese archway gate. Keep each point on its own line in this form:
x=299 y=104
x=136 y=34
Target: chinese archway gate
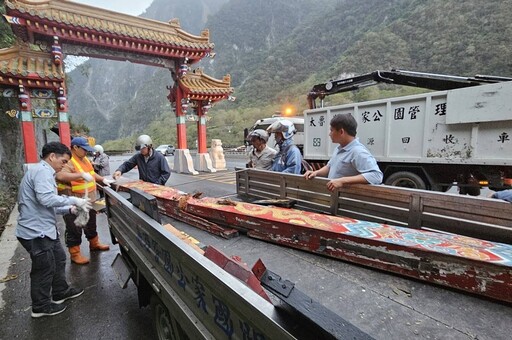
x=59 y=27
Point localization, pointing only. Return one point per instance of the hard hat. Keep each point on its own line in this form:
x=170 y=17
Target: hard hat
x=98 y=148
x=284 y=126
x=143 y=141
x=260 y=133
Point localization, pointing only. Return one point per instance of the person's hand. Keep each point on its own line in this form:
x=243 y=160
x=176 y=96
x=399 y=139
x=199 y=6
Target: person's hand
x=87 y=177
x=335 y=184
x=116 y=175
x=108 y=182
x=73 y=210
x=310 y=174
x=84 y=203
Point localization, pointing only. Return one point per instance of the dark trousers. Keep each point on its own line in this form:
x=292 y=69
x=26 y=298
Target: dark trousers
x=74 y=233
x=48 y=273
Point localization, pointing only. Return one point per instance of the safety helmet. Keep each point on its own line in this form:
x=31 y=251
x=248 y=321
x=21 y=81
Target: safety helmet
x=143 y=141
x=98 y=148
x=284 y=126
x=260 y=133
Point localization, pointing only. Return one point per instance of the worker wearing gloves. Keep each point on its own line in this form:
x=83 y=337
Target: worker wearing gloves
x=153 y=166
x=38 y=204
x=78 y=178
x=351 y=162
x=261 y=155
x=289 y=158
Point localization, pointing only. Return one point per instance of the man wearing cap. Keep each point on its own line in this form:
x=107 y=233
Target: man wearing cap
x=77 y=178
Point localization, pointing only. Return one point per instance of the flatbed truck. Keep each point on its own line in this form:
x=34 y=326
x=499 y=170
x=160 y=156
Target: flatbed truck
x=381 y=305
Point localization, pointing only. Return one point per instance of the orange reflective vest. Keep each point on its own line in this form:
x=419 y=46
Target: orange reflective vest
x=80 y=185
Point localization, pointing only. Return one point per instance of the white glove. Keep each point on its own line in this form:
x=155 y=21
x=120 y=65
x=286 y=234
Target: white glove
x=87 y=177
x=84 y=203
x=107 y=182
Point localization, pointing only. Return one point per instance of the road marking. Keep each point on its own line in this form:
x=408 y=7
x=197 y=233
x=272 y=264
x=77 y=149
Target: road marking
x=221 y=177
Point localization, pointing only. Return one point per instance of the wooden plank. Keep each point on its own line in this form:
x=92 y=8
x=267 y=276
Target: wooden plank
x=468 y=264
x=405 y=205
x=365 y=216
x=497 y=212
x=493 y=233
x=387 y=213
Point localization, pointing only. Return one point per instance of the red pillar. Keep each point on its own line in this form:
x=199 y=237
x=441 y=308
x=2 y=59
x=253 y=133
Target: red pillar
x=27 y=126
x=201 y=130
x=180 y=120
x=62 y=108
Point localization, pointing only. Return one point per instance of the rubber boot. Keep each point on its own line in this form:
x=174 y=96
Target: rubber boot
x=94 y=244
x=76 y=256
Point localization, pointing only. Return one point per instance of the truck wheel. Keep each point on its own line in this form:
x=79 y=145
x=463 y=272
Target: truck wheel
x=161 y=319
x=406 y=179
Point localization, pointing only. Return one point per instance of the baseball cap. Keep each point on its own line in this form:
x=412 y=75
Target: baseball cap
x=83 y=143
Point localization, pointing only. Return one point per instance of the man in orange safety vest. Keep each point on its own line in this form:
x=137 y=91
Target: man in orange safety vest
x=78 y=178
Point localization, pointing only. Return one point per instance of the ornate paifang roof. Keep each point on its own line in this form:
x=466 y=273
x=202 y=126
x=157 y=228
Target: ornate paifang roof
x=73 y=22
x=21 y=66
x=199 y=86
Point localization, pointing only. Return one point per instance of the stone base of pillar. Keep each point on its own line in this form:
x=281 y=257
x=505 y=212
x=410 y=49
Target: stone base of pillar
x=204 y=163
x=183 y=162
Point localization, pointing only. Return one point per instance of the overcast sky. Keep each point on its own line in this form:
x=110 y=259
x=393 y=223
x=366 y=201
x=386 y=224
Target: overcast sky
x=133 y=7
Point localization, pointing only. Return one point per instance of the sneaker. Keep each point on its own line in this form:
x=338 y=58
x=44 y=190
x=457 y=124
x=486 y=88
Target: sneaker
x=50 y=310
x=71 y=293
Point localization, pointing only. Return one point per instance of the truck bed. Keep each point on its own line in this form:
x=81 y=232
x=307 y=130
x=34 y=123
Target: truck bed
x=383 y=305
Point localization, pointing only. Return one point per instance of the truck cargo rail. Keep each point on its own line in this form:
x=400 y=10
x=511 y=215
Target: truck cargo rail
x=483 y=218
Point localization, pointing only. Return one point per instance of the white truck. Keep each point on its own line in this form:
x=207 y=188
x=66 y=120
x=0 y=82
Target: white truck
x=460 y=135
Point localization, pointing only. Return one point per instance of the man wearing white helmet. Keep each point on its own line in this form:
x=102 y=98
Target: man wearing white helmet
x=288 y=159
x=261 y=156
x=153 y=166
x=101 y=161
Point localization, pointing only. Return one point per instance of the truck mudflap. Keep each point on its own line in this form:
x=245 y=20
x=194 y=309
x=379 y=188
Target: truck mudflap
x=465 y=263
x=192 y=294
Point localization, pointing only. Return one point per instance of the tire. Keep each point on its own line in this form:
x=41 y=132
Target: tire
x=406 y=179
x=162 y=321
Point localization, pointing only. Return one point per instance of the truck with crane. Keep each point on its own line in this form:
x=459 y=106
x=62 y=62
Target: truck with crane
x=460 y=134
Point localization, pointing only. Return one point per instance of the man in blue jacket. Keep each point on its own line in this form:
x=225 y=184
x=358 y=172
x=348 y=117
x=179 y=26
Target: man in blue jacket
x=288 y=159
x=152 y=165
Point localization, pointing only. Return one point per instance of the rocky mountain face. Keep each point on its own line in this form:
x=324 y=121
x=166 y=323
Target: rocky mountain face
x=120 y=98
